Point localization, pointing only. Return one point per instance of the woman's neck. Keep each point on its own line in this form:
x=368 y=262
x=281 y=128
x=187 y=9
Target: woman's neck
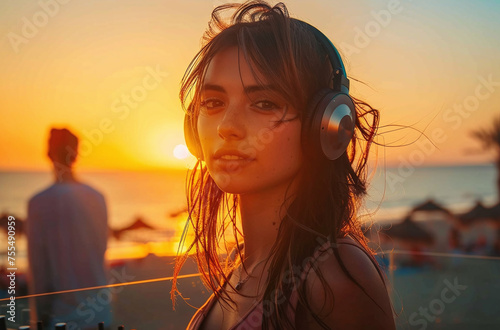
x=261 y=215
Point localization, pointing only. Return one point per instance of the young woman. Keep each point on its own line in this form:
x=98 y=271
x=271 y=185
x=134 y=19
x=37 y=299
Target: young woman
x=273 y=197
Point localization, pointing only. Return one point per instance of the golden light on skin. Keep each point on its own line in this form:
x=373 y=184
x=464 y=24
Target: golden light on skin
x=181 y=151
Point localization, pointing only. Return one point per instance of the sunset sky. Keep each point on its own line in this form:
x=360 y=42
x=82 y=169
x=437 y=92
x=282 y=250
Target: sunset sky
x=431 y=65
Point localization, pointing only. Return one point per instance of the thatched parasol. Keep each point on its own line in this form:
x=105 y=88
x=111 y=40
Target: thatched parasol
x=430 y=206
x=477 y=213
x=138 y=224
x=19 y=224
x=409 y=230
x=494 y=212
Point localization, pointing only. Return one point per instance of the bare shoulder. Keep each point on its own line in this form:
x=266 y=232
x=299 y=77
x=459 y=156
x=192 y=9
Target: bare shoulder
x=352 y=306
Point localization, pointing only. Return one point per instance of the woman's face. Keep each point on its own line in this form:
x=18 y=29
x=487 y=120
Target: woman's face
x=244 y=150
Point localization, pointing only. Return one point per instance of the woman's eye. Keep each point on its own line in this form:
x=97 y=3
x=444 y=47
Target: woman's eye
x=211 y=104
x=266 y=105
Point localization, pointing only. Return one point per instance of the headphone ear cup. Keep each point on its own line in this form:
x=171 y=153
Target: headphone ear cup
x=331 y=121
x=191 y=138
x=309 y=132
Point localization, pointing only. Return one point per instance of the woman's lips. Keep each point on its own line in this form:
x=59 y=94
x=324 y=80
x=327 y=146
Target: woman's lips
x=232 y=163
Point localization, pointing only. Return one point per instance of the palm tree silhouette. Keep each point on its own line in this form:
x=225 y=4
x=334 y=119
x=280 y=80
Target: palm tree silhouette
x=490 y=138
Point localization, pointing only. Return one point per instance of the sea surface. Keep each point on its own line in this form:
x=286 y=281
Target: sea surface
x=154 y=196
x=394 y=191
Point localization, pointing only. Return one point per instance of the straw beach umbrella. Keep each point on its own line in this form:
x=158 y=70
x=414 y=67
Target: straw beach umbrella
x=19 y=224
x=478 y=213
x=494 y=212
x=139 y=223
x=410 y=235
x=430 y=206
x=409 y=231
x=431 y=210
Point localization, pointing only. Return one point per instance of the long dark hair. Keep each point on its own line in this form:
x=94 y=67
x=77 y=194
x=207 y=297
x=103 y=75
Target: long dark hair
x=289 y=57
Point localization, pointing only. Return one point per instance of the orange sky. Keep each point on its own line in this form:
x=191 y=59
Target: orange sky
x=76 y=65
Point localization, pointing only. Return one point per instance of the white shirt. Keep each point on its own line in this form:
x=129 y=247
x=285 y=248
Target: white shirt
x=67 y=231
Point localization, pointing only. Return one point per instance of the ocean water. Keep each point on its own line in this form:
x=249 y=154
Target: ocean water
x=150 y=195
x=396 y=190
x=155 y=195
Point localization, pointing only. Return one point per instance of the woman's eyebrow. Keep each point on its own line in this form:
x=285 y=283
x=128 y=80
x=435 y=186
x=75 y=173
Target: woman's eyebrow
x=212 y=87
x=259 y=88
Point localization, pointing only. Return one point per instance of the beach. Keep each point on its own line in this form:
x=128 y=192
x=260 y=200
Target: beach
x=145 y=257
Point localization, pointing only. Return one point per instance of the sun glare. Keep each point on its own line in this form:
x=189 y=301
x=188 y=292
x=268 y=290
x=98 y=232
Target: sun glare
x=181 y=151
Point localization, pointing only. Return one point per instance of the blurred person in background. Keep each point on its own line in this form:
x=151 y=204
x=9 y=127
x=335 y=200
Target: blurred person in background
x=67 y=230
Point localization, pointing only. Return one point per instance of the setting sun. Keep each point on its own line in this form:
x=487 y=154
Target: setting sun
x=181 y=151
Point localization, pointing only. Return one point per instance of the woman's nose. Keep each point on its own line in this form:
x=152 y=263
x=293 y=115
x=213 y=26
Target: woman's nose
x=232 y=125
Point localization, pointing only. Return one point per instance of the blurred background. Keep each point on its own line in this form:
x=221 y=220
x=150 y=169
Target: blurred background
x=110 y=71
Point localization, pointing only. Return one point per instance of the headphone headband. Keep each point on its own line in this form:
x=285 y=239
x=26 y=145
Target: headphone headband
x=340 y=80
